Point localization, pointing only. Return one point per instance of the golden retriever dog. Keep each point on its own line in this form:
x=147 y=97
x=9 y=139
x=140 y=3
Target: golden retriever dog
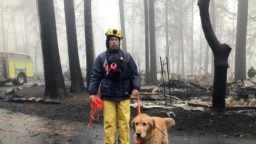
x=151 y=130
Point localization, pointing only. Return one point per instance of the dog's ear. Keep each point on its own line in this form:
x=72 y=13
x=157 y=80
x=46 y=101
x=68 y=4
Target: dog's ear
x=133 y=124
x=169 y=122
x=152 y=123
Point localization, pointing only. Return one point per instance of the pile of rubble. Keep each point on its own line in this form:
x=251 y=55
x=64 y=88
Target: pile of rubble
x=240 y=96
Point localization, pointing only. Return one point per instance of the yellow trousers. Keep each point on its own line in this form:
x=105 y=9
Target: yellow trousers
x=116 y=121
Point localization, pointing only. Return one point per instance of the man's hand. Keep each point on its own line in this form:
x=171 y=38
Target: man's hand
x=91 y=97
x=135 y=93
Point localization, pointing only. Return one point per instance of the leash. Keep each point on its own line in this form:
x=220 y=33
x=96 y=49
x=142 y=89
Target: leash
x=138 y=103
x=138 y=110
x=96 y=106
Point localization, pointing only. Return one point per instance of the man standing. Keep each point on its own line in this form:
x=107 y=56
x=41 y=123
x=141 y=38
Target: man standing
x=116 y=73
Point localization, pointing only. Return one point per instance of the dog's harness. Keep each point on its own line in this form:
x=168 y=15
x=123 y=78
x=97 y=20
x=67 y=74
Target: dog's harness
x=161 y=131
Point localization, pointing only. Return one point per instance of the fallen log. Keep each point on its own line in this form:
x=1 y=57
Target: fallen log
x=32 y=99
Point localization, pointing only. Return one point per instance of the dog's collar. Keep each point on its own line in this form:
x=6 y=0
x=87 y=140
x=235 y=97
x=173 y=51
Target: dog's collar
x=138 y=142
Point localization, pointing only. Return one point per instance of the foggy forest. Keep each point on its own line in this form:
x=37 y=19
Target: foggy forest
x=178 y=37
x=195 y=60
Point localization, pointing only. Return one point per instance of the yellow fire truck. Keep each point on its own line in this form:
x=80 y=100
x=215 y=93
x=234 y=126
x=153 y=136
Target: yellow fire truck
x=16 y=68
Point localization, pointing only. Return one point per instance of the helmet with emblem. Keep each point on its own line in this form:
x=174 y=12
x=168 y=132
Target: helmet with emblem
x=114 y=32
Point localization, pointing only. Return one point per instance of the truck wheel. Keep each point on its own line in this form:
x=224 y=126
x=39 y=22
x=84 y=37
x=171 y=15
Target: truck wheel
x=21 y=78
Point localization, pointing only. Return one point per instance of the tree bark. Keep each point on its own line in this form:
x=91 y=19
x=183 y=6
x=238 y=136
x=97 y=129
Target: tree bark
x=146 y=42
x=54 y=81
x=121 y=9
x=152 y=42
x=220 y=53
x=240 y=51
x=181 y=51
x=192 y=39
x=77 y=84
x=89 y=39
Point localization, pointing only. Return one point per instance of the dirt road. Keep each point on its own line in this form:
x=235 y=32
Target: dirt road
x=26 y=129
x=66 y=123
x=18 y=128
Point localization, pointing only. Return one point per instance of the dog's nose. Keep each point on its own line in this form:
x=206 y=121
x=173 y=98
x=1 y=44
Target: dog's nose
x=138 y=134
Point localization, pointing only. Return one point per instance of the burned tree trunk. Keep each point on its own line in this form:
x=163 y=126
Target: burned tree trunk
x=89 y=39
x=122 y=21
x=54 y=81
x=241 y=34
x=146 y=42
x=77 y=84
x=220 y=53
x=152 y=41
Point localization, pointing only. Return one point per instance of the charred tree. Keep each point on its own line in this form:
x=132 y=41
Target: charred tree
x=121 y=9
x=220 y=53
x=152 y=41
x=181 y=58
x=146 y=42
x=77 y=84
x=88 y=39
x=192 y=39
x=240 y=51
x=54 y=81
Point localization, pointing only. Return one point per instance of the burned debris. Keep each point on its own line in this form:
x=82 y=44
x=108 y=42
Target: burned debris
x=194 y=93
